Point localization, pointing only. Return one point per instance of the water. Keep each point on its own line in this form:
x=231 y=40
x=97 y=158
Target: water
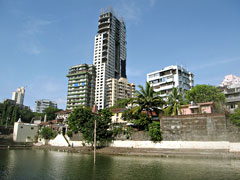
x=37 y=164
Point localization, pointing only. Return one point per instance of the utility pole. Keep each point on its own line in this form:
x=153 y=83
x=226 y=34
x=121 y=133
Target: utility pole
x=95 y=113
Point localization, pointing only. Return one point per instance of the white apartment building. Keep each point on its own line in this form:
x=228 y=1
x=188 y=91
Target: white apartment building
x=166 y=79
x=109 y=54
x=231 y=88
x=118 y=89
x=18 y=95
x=41 y=105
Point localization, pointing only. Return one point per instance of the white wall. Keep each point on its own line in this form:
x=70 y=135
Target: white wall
x=211 y=145
x=24 y=132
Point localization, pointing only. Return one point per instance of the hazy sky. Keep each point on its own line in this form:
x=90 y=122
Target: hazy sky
x=41 y=39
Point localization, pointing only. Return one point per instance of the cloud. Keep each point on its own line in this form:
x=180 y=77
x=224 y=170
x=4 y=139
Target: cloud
x=216 y=63
x=44 y=87
x=129 y=10
x=29 y=36
x=152 y=3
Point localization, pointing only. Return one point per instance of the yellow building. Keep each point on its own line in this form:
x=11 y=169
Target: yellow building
x=117 y=116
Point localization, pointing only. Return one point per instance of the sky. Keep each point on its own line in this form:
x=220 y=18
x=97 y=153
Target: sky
x=41 y=40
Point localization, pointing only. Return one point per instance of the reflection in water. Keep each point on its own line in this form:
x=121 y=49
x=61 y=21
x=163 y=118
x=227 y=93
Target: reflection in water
x=36 y=164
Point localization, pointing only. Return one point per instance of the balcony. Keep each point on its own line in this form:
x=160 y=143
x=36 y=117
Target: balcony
x=233 y=99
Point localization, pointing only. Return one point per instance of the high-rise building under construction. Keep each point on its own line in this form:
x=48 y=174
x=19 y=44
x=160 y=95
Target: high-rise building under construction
x=109 y=54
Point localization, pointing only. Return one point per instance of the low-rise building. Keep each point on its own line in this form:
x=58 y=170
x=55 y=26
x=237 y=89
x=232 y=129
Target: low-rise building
x=63 y=115
x=166 y=79
x=117 y=116
x=41 y=105
x=118 y=89
x=81 y=86
x=24 y=132
x=199 y=108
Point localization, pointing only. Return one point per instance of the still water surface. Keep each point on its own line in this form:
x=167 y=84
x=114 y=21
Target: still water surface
x=37 y=164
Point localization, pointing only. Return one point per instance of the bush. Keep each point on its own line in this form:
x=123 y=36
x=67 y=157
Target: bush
x=154 y=132
x=48 y=133
x=69 y=133
x=235 y=117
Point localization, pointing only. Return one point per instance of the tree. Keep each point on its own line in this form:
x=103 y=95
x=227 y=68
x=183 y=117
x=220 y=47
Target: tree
x=50 y=112
x=174 y=102
x=15 y=114
x=82 y=119
x=121 y=103
x=12 y=112
x=235 y=117
x=147 y=100
x=204 y=93
x=140 y=120
x=47 y=133
x=26 y=115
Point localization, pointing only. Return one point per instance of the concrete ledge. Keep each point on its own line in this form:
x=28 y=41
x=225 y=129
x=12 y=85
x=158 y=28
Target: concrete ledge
x=177 y=145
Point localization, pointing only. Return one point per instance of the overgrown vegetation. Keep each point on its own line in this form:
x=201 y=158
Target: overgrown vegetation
x=204 y=93
x=47 y=133
x=235 y=117
x=154 y=132
x=174 y=102
x=82 y=119
x=10 y=113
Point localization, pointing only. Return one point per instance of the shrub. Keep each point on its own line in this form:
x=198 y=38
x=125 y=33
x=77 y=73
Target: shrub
x=154 y=132
x=48 y=133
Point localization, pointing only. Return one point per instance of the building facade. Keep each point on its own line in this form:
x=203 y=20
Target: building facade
x=231 y=88
x=18 y=95
x=166 y=79
x=109 y=54
x=24 y=132
x=41 y=105
x=118 y=89
x=81 y=86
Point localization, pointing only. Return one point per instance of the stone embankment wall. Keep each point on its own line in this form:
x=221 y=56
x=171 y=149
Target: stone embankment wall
x=208 y=127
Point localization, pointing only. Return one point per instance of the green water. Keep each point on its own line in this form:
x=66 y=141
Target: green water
x=37 y=164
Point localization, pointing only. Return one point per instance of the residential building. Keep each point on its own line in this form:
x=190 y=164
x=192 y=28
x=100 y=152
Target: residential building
x=118 y=89
x=199 y=108
x=63 y=115
x=41 y=105
x=81 y=86
x=109 y=54
x=117 y=116
x=24 y=132
x=231 y=88
x=18 y=95
x=166 y=79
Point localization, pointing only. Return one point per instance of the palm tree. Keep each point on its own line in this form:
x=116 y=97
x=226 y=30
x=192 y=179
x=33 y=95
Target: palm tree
x=175 y=100
x=147 y=100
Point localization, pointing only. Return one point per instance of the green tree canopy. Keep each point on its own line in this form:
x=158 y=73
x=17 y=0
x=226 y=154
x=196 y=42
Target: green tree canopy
x=148 y=100
x=204 y=93
x=47 y=133
x=51 y=113
x=82 y=119
x=235 y=117
x=174 y=102
x=140 y=120
x=121 y=103
x=12 y=112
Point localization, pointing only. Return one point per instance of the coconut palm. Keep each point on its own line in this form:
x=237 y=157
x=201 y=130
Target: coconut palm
x=147 y=100
x=174 y=102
